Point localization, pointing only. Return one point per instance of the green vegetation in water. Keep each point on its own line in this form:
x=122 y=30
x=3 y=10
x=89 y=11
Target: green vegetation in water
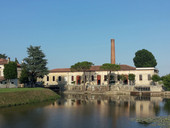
x=20 y=96
x=162 y=121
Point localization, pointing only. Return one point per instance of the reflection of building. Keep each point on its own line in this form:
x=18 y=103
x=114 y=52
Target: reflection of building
x=3 y=82
x=115 y=106
x=148 y=106
x=96 y=76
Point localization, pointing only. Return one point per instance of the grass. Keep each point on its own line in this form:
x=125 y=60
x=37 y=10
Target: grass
x=20 y=96
x=19 y=89
x=161 y=121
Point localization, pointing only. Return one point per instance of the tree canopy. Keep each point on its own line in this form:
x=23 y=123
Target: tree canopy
x=110 y=67
x=156 y=78
x=24 y=76
x=35 y=63
x=10 y=71
x=83 y=67
x=166 y=81
x=3 y=56
x=144 y=58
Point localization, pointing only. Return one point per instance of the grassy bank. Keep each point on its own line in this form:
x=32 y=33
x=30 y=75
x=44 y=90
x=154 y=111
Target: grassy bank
x=19 y=96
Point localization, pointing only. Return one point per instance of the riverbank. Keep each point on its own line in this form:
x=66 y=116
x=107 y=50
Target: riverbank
x=165 y=94
x=20 y=96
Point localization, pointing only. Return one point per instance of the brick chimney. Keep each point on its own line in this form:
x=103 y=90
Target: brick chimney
x=112 y=51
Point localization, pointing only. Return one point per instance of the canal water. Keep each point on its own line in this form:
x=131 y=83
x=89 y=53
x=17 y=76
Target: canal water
x=85 y=111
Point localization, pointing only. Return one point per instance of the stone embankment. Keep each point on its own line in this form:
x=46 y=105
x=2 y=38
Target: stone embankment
x=147 y=90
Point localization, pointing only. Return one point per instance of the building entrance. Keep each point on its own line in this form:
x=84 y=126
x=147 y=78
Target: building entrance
x=78 y=80
x=98 y=79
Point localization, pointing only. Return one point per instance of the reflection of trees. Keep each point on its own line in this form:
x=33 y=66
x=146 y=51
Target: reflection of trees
x=32 y=115
x=167 y=105
x=156 y=108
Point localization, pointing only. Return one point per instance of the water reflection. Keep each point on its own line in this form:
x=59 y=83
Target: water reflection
x=126 y=105
x=84 y=111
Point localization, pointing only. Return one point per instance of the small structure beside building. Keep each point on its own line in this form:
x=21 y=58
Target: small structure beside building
x=3 y=81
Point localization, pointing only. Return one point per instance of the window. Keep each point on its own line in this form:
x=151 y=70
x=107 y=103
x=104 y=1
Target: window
x=72 y=78
x=92 y=78
x=140 y=77
x=47 y=78
x=105 y=77
x=85 y=78
x=118 y=77
x=53 y=78
x=149 y=77
x=12 y=82
x=59 y=78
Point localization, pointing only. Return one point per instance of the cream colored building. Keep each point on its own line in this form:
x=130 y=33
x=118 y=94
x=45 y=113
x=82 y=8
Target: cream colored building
x=96 y=76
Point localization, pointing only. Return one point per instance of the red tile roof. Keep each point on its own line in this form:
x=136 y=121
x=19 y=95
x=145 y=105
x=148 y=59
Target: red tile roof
x=3 y=61
x=94 y=68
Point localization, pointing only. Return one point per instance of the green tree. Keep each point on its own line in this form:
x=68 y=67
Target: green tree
x=166 y=81
x=24 y=76
x=131 y=78
x=10 y=71
x=122 y=78
x=109 y=67
x=3 y=56
x=144 y=58
x=83 y=67
x=35 y=64
x=156 y=78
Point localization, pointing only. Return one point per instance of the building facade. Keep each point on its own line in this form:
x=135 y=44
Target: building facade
x=96 y=76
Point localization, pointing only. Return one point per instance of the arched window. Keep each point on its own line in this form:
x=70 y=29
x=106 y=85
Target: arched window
x=105 y=77
x=140 y=77
x=92 y=78
x=72 y=78
x=47 y=78
x=53 y=78
x=59 y=78
x=149 y=77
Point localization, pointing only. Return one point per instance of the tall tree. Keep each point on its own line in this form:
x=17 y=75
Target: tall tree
x=83 y=67
x=3 y=56
x=109 y=67
x=144 y=58
x=24 y=76
x=10 y=71
x=35 y=64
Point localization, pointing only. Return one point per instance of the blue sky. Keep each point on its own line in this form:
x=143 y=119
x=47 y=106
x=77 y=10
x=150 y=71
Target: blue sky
x=69 y=31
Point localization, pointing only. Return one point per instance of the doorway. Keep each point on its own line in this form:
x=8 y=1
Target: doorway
x=98 y=79
x=78 y=80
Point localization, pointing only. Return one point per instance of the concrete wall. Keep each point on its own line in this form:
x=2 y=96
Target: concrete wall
x=13 y=84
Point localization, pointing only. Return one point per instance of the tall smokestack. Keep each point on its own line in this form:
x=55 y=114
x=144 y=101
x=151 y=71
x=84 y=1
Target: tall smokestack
x=112 y=51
